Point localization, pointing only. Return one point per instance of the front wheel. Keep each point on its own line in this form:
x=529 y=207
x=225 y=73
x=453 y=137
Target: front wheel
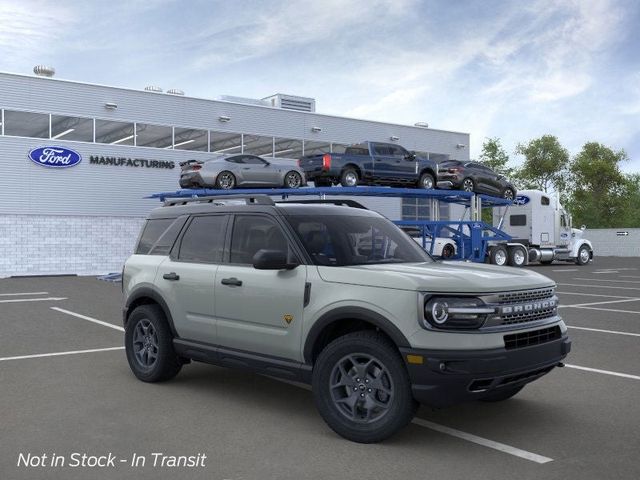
x=584 y=255
x=361 y=387
x=426 y=181
x=292 y=179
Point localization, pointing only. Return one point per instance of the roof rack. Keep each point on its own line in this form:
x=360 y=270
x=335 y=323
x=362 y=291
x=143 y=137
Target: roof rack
x=330 y=201
x=221 y=200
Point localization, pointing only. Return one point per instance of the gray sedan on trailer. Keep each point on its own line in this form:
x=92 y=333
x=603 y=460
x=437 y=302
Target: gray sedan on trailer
x=231 y=171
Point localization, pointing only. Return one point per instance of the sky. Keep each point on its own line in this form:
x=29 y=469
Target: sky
x=515 y=70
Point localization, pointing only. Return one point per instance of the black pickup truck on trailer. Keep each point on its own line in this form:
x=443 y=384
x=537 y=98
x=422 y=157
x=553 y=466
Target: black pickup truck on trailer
x=370 y=163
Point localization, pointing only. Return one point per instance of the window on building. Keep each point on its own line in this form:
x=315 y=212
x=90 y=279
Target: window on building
x=225 y=143
x=114 y=133
x=287 y=148
x=190 y=139
x=26 y=124
x=157 y=136
x=316 y=148
x=72 y=128
x=257 y=145
x=204 y=239
x=436 y=157
x=420 y=209
x=518 y=220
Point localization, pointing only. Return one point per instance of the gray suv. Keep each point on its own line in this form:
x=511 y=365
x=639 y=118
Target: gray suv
x=337 y=297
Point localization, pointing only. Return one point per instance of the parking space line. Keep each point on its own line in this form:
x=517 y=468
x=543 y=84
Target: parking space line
x=534 y=457
x=22 y=293
x=608 y=310
x=567 y=270
x=594 y=295
x=606 y=280
x=89 y=319
x=605 y=331
x=606 y=372
x=597 y=286
x=629 y=276
x=58 y=354
x=599 y=303
x=47 y=299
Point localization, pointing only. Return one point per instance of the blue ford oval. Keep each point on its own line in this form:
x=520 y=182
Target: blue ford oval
x=55 y=157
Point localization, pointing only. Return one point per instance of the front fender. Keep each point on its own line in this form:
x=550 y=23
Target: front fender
x=578 y=244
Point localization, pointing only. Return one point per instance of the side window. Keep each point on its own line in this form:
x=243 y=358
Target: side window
x=251 y=160
x=398 y=151
x=252 y=233
x=203 y=241
x=238 y=159
x=381 y=149
x=544 y=200
x=168 y=238
x=151 y=233
x=518 y=220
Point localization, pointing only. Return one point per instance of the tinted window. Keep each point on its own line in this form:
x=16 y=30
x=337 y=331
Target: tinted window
x=204 y=239
x=382 y=150
x=168 y=238
x=397 y=151
x=151 y=233
x=357 y=151
x=239 y=159
x=26 y=124
x=251 y=160
x=252 y=233
x=518 y=220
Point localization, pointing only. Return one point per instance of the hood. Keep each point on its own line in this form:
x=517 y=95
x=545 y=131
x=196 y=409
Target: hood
x=442 y=277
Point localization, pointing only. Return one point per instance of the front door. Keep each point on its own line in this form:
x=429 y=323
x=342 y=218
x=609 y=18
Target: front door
x=259 y=310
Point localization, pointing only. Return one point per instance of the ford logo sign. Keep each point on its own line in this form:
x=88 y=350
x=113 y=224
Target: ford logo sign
x=55 y=157
x=521 y=200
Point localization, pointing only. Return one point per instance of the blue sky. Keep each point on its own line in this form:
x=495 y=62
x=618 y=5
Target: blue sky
x=511 y=69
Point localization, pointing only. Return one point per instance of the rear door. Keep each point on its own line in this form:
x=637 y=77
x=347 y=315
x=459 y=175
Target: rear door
x=383 y=161
x=187 y=277
x=259 y=310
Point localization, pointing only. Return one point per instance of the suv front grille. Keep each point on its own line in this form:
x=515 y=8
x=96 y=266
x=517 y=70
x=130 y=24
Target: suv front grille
x=522 y=306
x=525 y=296
x=528 y=317
x=535 y=337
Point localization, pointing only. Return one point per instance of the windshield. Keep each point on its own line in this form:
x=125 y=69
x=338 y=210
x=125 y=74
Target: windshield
x=345 y=240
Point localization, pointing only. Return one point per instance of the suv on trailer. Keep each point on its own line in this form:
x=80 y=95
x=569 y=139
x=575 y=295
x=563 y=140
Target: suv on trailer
x=337 y=297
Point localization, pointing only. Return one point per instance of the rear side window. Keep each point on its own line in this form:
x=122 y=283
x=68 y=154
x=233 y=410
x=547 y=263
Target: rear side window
x=518 y=220
x=151 y=233
x=357 y=150
x=252 y=233
x=203 y=241
x=168 y=238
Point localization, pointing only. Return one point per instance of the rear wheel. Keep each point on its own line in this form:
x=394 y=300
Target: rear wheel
x=448 y=251
x=498 y=255
x=517 y=256
x=501 y=394
x=225 y=180
x=349 y=178
x=508 y=194
x=149 y=345
x=361 y=387
x=468 y=185
x=426 y=181
x=292 y=179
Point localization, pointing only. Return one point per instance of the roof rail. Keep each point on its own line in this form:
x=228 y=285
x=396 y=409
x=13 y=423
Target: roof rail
x=221 y=200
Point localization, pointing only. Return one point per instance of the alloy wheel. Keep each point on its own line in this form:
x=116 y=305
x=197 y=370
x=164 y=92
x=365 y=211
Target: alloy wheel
x=145 y=343
x=467 y=185
x=293 y=180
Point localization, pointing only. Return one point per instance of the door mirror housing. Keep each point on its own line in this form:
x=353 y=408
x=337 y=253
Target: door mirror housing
x=410 y=156
x=272 y=260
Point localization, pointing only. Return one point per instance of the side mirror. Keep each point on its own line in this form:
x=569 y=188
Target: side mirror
x=583 y=227
x=410 y=156
x=272 y=260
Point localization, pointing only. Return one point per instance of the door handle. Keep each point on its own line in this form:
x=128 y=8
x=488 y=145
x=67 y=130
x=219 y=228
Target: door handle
x=232 y=282
x=171 y=276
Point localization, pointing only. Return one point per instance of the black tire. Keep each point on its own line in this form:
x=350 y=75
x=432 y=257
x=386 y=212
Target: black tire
x=347 y=176
x=516 y=260
x=468 y=185
x=498 y=255
x=322 y=182
x=448 y=251
x=292 y=180
x=501 y=394
x=166 y=364
x=400 y=407
x=546 y=262
x=426 y=182
x=508 y=193
x=225 y=180
x=584 y=255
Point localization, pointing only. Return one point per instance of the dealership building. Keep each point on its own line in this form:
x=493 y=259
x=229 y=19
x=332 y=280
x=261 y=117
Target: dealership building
x=127 y=144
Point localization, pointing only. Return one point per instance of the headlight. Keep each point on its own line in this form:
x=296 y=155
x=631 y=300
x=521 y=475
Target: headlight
x=455 y=313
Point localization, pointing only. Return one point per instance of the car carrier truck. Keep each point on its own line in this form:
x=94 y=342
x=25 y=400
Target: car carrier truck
x=540 y=230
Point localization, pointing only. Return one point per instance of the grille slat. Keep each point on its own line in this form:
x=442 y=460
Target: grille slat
x=526 y=295
x=528 y=317
x=535 y=337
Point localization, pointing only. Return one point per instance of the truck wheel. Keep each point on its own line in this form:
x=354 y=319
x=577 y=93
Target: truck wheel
x=361 y=387
x=584 y=255
x=517 y=256
x=498 y=255
x=426 y=181
x=349 y=178
x=501 y=394
x=468 y=185
x=149 y=345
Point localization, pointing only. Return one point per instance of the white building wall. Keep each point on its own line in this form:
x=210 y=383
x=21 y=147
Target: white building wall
x=608 y=242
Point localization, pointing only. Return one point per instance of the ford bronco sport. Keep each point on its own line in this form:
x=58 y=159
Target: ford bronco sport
x=337 y=297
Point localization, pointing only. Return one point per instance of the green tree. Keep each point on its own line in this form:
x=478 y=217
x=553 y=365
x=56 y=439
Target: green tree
x=600 y=192
x=546 y=164
x=495 y=157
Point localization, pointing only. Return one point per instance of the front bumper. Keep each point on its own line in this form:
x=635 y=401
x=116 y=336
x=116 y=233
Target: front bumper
x=447 y=377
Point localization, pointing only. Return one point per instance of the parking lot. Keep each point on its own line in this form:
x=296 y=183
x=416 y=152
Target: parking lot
x=66 y=387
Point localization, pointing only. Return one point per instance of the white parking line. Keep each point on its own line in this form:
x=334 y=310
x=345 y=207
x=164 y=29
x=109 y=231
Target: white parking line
x=594 y=295
x=22 y=293
x=58 y=354
x=89 y=319
x=567 y=270
x=593 y=303
x=534 y=457
x=608 y=310
x=606 y=372
x=629 y=276
x=597 y=286
x=47 y=299
x=605 y=280
x=605 y=331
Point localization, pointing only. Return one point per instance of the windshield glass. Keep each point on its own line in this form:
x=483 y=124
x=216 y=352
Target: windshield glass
x=344 y=240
